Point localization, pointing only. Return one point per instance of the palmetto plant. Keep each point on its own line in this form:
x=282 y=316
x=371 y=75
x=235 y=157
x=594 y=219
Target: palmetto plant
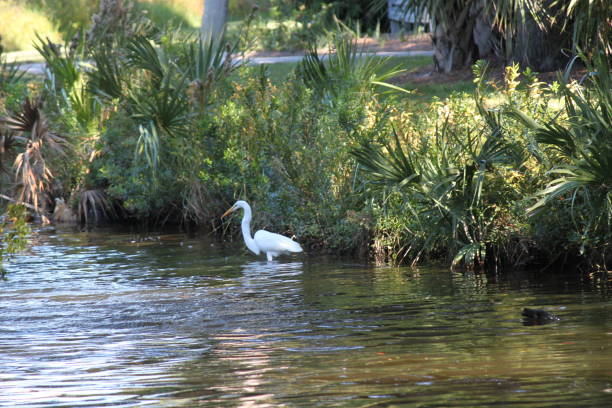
x=33 y=175
x=582 y=149
x=141 y=54
x=443 y=178
x=66 y=81
x=347 y=68
x=108 y=81
x=165 y=107
x=207 y=62
x=61 y=64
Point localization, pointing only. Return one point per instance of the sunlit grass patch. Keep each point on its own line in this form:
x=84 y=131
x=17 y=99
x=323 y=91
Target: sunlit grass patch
x=172 y=13
x=20 y=25
x=425 y=93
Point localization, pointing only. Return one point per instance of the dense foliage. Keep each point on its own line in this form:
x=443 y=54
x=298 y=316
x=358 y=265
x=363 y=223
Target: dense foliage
x=148 y=125
x=518 y=182
x=14 y=232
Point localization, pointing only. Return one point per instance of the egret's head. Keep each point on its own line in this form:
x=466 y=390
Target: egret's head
x=238 y=204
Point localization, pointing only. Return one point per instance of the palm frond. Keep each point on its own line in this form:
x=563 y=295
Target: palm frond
x=30 y=120
x=142 y=55
x=166 y=108
x=62 y=66
x=32 y=175
x=24 y=120
x=108 y=78
x=148 y=145
x=210 y=58
x=393 y=168
x=589 y=22
x=94 y=206
x=347 y=68
x=84 y=104
x=584 y=139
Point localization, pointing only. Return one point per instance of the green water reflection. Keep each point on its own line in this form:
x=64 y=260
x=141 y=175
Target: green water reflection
x=107 y=319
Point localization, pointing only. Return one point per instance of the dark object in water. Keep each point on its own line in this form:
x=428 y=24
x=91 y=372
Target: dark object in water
x=537 y=316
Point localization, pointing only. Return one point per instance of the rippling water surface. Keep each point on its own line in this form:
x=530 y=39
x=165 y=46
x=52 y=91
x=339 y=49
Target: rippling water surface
x=107 y=319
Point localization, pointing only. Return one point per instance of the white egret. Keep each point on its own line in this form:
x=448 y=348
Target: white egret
x=270 y=243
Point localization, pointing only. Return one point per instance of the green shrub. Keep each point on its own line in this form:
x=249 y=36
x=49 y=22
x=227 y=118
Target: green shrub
x=462 y=172
x=14 y=233
x=292 y=159
x=577 y=151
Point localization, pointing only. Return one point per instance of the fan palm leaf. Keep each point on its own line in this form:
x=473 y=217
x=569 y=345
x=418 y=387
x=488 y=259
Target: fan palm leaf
x=143 y=55
x=107 y=80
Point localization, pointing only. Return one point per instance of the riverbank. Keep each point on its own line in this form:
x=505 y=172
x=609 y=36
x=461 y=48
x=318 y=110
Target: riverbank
x=165 y=131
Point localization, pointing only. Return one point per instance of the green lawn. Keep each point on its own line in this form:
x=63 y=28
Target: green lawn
x=424 y=93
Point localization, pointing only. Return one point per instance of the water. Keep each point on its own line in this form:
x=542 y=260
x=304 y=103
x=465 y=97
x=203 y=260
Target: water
x=103 y=319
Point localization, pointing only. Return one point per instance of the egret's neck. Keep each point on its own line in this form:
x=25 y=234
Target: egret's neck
x=246 y=231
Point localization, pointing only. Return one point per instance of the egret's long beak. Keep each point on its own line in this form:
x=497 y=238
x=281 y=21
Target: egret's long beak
x=231 y=210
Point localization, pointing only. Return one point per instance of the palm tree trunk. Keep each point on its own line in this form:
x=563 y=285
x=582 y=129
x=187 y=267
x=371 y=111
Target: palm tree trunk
x=539 y=49
x=485 y=36
x=214 y=17
x=453 y=42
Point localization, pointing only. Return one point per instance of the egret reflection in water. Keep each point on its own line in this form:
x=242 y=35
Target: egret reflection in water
x=272 y=270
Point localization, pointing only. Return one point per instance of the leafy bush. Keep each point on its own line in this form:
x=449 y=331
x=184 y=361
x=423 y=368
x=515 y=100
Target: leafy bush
x=578 y=155
x=460 y=171
x=288 y=148
x=13 y=233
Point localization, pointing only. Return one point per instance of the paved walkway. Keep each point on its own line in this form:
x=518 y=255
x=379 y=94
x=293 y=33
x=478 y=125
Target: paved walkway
x=296 y=58
x=38 y=68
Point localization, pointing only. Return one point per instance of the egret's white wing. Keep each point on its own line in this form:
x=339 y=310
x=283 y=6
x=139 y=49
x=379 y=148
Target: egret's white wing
x=271 y=242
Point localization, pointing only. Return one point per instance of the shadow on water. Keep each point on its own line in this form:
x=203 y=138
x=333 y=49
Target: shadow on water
x=109 y=319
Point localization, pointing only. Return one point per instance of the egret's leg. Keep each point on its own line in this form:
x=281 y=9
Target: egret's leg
x=271 y=255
